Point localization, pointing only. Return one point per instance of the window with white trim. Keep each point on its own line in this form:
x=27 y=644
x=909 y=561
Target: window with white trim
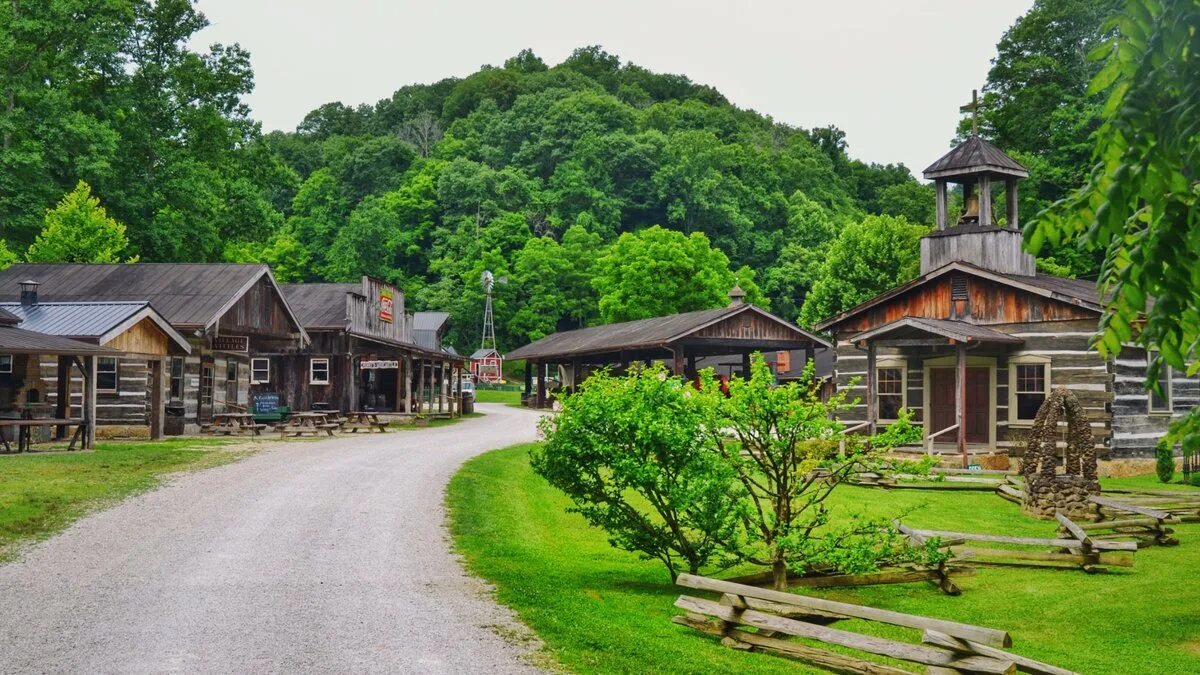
x=260 y=370
x=1160 y=403
x=106 y=374
x=318 y=371
x=1028 y=387
x=6 y=363
x=891 y=388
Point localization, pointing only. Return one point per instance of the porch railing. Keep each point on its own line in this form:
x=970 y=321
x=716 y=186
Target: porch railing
x=847 y=430
x=930 y=437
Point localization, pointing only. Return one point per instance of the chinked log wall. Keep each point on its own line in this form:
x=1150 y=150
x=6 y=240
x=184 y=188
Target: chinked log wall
x=1065 y=343
x=1136 y=429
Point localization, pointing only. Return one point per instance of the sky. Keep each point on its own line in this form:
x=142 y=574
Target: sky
x=890 y=73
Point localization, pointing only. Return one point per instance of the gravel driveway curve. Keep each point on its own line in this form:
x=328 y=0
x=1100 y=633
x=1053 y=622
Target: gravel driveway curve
x=308 y=557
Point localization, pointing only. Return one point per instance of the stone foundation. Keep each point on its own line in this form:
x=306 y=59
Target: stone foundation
x=1069 y=494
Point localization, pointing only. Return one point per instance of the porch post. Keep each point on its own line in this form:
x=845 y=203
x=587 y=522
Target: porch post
x=872 y=400
x=408 y=378
x=960 y=396
x=441 y=384
x=528 y=379
x=541 y=385
x=677 y=364
x=89 y=402
x=62 y=404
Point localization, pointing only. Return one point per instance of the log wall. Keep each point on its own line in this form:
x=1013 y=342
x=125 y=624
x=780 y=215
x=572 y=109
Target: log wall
x=1136 y=430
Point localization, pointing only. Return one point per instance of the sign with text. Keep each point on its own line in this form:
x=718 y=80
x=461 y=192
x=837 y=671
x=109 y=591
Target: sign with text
x=379 y=365
x=387 y=305
x=231 y=343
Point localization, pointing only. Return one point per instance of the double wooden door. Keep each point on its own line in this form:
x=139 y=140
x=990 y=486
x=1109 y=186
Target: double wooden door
x=942 y=405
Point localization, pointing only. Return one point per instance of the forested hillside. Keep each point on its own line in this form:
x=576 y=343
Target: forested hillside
x=600 y=190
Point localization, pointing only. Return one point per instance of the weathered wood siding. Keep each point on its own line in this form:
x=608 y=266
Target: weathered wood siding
x=260 y=311
x=144 y=337
x=747 y=326
x=1136 y=430
x=366 y=316
x=128 y=405
x=987 y=303
x=997 y=250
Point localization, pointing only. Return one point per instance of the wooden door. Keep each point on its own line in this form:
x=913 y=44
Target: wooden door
x=942 y=405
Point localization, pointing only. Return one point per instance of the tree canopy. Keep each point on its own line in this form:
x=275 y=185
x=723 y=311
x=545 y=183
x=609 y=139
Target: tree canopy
x=79 y=230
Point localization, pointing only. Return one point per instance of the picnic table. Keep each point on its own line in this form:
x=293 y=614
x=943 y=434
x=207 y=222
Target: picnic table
x=233 y=423
x=24 y=429
x=363 y=420
x=306 y=423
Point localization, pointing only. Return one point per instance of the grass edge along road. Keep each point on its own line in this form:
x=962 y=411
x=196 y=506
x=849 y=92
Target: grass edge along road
x=44 y=493
x=598 y=609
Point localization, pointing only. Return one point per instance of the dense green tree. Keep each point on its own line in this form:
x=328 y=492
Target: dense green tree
x=1141 y=203
x=867 y=258
x=79 y=230
x=555 y=283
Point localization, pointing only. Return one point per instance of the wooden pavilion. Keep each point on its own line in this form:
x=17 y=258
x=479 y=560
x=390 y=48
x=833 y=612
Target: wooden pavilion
x=678 y=339
x=21 y=398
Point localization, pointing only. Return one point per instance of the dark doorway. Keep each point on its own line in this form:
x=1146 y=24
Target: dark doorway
x=941 y=403
x=377 y=389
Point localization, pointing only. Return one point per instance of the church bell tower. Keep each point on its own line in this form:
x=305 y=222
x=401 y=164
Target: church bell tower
x=974 y=236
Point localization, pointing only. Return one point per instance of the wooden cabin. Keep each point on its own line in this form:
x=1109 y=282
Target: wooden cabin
x=681 y=340
x=130 y=396
x=973 y=345
x=487 y=365
x=234 y=318
x=363 y=353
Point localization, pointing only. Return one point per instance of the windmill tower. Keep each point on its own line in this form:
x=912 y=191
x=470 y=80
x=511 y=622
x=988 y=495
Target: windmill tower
x=486 y=362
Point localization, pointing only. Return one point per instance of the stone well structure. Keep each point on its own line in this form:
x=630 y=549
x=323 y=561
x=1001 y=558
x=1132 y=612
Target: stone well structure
x=1046 y=490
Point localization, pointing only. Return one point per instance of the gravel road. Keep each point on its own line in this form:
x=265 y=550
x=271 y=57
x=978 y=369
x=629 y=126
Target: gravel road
x=312 y=557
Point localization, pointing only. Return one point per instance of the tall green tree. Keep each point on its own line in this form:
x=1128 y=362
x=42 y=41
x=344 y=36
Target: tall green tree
x=1141 y=203
x=79 y=231
x=867 y=258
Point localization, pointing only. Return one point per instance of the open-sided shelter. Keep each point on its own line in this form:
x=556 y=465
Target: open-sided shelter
x=679 y=339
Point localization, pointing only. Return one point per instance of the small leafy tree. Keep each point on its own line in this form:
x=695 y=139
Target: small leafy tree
x=1165 y=465
x=632 y=455
x=787 y=454
x=79 y=231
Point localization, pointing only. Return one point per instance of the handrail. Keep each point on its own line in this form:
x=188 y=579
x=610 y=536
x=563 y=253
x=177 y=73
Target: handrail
x=847 y=430
x=930 y=437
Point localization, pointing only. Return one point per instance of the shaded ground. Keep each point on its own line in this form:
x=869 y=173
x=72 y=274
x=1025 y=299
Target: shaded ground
x=308 y=557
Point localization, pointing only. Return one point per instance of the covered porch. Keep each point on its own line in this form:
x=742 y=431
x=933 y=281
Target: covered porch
x=952 y=375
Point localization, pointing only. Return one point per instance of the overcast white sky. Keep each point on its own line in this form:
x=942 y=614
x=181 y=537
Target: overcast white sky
x=891 y=73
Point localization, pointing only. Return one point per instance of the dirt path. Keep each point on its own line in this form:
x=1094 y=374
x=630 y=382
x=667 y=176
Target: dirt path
x=308 y=557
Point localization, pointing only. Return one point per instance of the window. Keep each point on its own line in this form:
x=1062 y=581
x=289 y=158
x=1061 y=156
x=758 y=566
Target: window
x=318 y=371
x=106 y=374
x=890 y=382
x=6 y=363
x=1160 y=403
x=231 y=381
x=260 y=371
x=206 y=386
x=1028 y=386
x=176 y=378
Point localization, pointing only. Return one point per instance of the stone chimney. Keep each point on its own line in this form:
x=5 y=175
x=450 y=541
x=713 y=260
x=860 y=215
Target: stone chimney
x=737 y=296
x=29 y=293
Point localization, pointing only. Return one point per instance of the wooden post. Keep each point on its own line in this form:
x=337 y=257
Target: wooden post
x=985 y=200
x=89 y=402
x=528 y=379
x=408 y=378
x=677 y=363
x=960 y=397
x=541 y=385
x=62 y=404
x=421 y=387
x=746 y=365
x=810 y=356
x=691 y=366
x=940 y=188
x=157 y=404
x=576 y=371
x=1010 y=202
x=441 y=385
x=872 y=385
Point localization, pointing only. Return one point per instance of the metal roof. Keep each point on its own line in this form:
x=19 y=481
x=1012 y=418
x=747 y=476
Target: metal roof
x=430 y=320
x=7 y=318
x=975 y=155
x=20 y=341
x=642 y=333
x=1074 y=291
x=188 y=295
x=320 y=305
x=100 y=321
x=947 y=328
x=482 y=353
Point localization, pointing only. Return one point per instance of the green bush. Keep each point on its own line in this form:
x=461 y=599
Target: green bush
x=1166 y=462
x=1194 y=479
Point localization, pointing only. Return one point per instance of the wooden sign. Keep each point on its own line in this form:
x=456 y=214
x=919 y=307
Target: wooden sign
x=379 y=365
x=266 y=403
x=231 y=343
x=387 y=305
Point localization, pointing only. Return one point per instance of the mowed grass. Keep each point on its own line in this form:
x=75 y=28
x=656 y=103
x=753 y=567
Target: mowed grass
x=600 y=610
x=498 y=396
x=42 y=493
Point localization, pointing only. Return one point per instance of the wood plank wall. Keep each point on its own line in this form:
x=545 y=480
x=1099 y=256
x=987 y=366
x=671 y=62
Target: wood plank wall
x=1137 y=430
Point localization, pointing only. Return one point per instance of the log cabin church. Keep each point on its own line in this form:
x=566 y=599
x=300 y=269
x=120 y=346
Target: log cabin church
x=973 y=345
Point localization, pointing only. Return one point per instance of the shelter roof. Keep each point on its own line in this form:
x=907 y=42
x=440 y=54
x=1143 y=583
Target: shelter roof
x=645 y=333
x=15 y=340
x=960 y=331
x=320 y=306
x=99 y=321
x=975 y=155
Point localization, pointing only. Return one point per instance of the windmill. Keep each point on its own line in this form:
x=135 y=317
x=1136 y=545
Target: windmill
x=486 y=362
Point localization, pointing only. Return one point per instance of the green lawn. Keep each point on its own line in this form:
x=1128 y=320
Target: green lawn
x=42 y=493
x=498 y=396
x=603 y=610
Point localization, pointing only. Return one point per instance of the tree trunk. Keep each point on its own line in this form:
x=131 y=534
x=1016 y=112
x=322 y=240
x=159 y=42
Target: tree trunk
x=779 y=575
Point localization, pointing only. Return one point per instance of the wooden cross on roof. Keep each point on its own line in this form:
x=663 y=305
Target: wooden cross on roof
x=973 y=108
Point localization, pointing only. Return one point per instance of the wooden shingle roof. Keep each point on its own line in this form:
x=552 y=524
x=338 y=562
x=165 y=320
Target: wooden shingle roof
x=320 y=306
x=975 y=155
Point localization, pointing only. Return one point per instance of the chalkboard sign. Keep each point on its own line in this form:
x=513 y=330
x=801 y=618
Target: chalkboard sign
x=266 y=403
